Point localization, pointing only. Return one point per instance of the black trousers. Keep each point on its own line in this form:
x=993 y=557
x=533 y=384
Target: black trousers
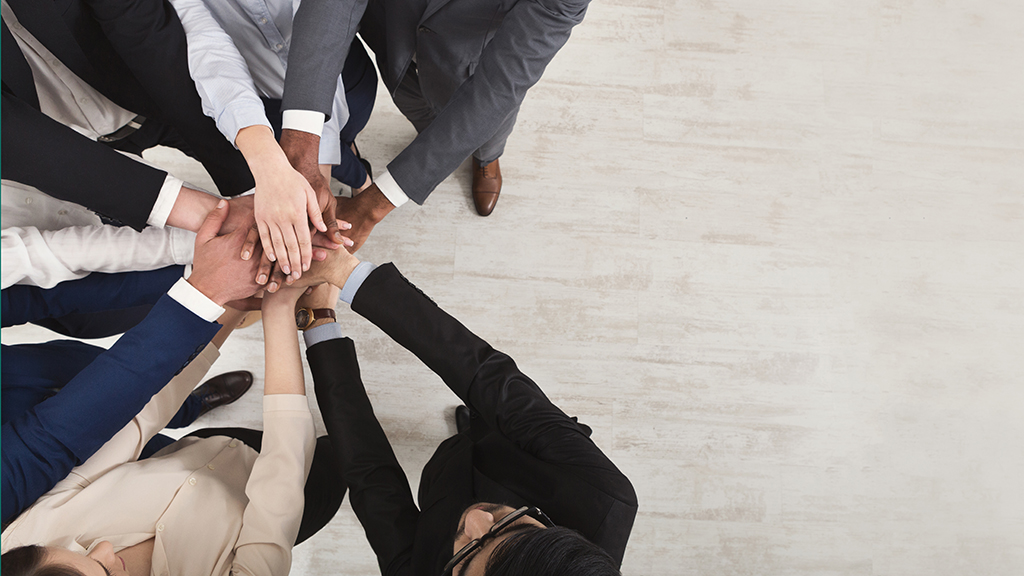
x=324 y=487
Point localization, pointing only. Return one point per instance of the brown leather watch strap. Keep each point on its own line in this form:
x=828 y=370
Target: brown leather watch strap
x=305 y=317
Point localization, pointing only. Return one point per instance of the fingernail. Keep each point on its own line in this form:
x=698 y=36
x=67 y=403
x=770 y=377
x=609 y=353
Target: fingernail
x=262 y=279
x=286 y=269
x=271 y=257
x=349 y=242
x=305 y=267
x=289 y=280
x=222 y=204
x=245 y=255
x=345 y=226
x=272 y=287
x=338 y=237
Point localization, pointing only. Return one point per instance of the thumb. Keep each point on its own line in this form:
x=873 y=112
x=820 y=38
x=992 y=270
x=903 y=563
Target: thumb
x=214 y=220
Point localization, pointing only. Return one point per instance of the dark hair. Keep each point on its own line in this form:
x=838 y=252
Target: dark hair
x=554 y=551
x=29 y=561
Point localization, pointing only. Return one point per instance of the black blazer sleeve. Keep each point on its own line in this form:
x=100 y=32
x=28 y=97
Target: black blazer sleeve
x=44 y=153
x=378 y=488
x=149 y=38
x=490 y=383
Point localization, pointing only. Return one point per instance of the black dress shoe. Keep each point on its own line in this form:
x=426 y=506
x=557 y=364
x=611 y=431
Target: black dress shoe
x=463 y=419
x=223 y=389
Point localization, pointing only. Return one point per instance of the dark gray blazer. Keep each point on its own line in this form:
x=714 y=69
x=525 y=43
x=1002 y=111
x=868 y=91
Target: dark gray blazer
x=477 y=56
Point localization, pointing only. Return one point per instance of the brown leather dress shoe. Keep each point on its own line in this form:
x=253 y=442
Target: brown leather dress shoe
x=222 y=390
x=486 y=186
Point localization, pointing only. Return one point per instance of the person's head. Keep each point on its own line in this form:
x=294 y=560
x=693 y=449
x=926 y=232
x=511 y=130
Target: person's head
x=52 y=561
x=497 y=540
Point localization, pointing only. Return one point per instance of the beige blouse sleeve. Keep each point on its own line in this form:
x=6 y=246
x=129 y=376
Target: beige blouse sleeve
x=270 y=522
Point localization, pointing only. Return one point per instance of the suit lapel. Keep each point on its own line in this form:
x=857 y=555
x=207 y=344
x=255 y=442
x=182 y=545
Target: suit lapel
x=432 y=7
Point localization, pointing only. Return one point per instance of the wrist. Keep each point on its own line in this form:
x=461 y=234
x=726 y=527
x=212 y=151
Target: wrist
x=191 y=208
x=373 y=204
x=320 y=322
x=261 y=151
x=340 y=273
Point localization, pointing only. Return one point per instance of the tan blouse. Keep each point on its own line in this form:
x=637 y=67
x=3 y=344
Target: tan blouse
x=214 y=505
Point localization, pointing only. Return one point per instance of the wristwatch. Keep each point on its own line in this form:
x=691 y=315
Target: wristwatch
x=304 y=317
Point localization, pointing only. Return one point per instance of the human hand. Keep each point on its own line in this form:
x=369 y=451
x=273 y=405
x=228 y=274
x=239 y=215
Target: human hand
x=334 y=269
x=217 y=271
x=323 y=296
x=240 y=215
x=321 y=245
x=303 y=152
x=363 y=211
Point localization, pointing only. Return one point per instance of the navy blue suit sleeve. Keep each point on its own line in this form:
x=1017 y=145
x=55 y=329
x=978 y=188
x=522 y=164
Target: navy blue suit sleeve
x=41 y=446
x=94 y=293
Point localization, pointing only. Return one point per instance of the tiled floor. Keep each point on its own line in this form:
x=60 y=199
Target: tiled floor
x=773 y=253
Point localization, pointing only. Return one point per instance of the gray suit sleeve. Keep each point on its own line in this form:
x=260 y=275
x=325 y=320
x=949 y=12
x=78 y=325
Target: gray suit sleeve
x=528 y=38
x=322 y=32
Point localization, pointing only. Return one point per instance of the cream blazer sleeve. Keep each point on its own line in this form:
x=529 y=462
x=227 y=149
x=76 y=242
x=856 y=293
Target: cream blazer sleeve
x=271 y=520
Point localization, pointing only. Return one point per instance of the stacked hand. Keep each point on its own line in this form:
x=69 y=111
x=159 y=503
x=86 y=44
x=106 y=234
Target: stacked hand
x=217 y=271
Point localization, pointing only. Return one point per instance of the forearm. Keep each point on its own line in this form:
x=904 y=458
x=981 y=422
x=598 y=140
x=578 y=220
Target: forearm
x=261 y=151
x=283 y=364
x=191 y=208
x=108 y=393
x=322 y=32
x=96 y=292
x=370 y=469
x=220 y=72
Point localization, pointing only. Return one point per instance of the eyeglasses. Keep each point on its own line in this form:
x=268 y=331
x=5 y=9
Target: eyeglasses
x=508 y=520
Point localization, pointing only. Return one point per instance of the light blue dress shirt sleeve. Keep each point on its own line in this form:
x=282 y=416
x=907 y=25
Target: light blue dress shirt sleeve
x=355 y=280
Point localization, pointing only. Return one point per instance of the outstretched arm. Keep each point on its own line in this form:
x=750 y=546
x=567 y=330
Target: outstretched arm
x=271 y=519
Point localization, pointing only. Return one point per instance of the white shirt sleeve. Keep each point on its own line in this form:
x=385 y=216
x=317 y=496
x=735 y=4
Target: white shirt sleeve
x=391 y=190
x=165 y=200
x=303 y=121
x=330 y=140
x=45 y=258
x=220 y=72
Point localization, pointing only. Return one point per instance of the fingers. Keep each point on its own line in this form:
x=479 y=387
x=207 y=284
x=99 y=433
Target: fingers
x=292 y=263
x=277 y=279
x=313 y=207
x=263 y=271
x=266 y=241
x=305 y=251
x=277 y=240
x=250 y=241
x=214 y=220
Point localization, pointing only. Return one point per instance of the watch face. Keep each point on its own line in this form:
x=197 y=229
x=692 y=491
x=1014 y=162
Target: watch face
x=302 y=318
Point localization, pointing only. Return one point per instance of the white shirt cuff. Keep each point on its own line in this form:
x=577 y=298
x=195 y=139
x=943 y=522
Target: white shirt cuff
x=304 y=121
x=183 y=246
x=188 y=296
x=391 y=190
x=165 y=202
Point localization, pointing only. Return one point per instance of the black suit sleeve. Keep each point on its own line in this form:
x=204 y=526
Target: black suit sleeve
x=378 y=488
x=149 y=38
x=44 y=153
x=490 y=383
